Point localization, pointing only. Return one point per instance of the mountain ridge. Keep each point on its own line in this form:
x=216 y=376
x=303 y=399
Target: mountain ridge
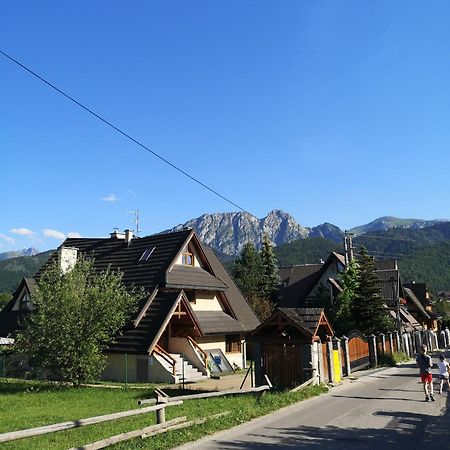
x=228 y=232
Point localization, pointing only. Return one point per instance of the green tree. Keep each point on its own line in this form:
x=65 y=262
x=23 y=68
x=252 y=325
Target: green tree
x=270 y=276
x=248 y=273
x=342 y=317
x=368 y=310
x=5 y=297
x=75 y=316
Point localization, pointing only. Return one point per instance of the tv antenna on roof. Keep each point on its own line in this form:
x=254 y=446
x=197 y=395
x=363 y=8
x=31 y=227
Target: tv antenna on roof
x=136 y=222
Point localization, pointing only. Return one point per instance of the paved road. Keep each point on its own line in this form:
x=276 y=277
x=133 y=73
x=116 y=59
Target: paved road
x=382 y=410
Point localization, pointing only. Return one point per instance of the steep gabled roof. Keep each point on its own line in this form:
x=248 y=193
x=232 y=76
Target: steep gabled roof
x=188 y=277
x=299 y=281
x=119 y=254
x=415 y=301
x=310 y=323
x=235 y=299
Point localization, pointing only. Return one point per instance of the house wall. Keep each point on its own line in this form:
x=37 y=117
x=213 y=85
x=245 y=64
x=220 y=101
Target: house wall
x=120 y=369
x=196 y=258
x=213 y=342
x=206 y=301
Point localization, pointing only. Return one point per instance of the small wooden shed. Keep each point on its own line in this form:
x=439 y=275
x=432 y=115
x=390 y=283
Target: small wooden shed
x=283 y=345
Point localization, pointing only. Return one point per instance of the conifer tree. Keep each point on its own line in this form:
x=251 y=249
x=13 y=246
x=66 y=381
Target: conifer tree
x=270 y=276
x=368 y=310
x=249 y=274
x=247 y=271
x=343 y=321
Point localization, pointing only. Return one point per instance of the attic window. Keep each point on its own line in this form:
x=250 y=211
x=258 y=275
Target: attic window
x=187 y=259
x=146 y=255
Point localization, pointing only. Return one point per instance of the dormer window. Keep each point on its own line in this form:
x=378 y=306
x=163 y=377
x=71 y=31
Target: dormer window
x=187 y=259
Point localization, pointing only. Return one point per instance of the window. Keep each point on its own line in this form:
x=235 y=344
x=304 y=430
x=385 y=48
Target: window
x=25 y=303
x=187 y=259
x=233 y=343
x=146 y=255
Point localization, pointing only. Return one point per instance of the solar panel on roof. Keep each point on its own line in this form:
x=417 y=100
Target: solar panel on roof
x=146 y=255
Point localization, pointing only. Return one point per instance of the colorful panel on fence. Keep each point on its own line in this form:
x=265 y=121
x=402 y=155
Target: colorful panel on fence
x=337 y=366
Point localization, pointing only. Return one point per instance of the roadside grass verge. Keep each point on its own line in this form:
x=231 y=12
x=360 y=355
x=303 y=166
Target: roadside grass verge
x=32 y=404
x=391 y=360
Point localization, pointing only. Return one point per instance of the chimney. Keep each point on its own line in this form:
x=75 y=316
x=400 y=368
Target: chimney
x=117 y=235
x=128 y=236
x=67 y=258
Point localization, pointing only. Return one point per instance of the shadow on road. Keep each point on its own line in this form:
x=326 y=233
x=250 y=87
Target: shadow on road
x=405 y=431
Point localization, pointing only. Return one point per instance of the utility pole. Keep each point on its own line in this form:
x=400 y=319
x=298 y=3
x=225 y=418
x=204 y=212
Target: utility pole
x=348 y=247
x=396 y=302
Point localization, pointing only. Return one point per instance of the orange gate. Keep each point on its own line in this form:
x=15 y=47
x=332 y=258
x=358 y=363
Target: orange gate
x=358 y=349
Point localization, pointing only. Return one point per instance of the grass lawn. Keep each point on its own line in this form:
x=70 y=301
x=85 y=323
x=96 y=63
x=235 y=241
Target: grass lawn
x=27 y=404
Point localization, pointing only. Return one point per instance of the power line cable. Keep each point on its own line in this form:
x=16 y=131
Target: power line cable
x=123 y=133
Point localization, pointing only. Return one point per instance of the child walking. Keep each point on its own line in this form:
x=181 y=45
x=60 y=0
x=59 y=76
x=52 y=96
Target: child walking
x=423 y=361
x=444 y=368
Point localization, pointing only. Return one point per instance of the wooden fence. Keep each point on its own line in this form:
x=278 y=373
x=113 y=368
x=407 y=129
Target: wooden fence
x=358 y=349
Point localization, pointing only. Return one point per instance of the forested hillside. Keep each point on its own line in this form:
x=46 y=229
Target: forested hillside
x=13 y=270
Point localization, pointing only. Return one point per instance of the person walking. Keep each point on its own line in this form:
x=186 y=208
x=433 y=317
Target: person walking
x=424 y=363
x=444 y=368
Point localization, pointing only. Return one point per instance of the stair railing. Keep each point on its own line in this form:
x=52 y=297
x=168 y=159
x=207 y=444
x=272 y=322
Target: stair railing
x=199 y=351
x=166 y=356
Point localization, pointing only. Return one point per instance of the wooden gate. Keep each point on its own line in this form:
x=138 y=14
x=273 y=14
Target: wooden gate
x=358 y=349
x=388 y=346
x=283 y=363
x=325 y=375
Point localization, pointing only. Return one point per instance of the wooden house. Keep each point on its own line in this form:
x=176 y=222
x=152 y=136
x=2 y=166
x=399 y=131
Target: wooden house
x=192 y=322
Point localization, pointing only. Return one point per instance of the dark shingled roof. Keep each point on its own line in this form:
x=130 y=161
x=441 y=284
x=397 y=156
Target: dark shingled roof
x=415 y=301
x=120 y=255
x=386 y=264
x=307 y=318
x=409 y=322
x=153 y=273
x=217 y=322
x=189 y=277
x=385 y=280
x=236 y=300
x=138 y=340
x=420 y=291
x=297 y=282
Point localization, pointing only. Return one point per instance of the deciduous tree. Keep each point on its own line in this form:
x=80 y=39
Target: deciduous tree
x=75 y=316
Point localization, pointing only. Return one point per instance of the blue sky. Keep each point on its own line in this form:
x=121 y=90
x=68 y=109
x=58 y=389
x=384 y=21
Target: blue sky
x=333 y=111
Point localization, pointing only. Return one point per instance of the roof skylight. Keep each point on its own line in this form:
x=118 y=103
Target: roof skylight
x=146 y=255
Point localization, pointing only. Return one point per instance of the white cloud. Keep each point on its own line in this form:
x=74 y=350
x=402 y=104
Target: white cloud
x=53 y=234
x=73 y=234
x=111 y=198
x=7 y=238
x=22 y=231
x=131 y=193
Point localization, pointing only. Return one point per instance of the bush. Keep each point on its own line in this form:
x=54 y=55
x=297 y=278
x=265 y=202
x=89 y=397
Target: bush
x=392 y=359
